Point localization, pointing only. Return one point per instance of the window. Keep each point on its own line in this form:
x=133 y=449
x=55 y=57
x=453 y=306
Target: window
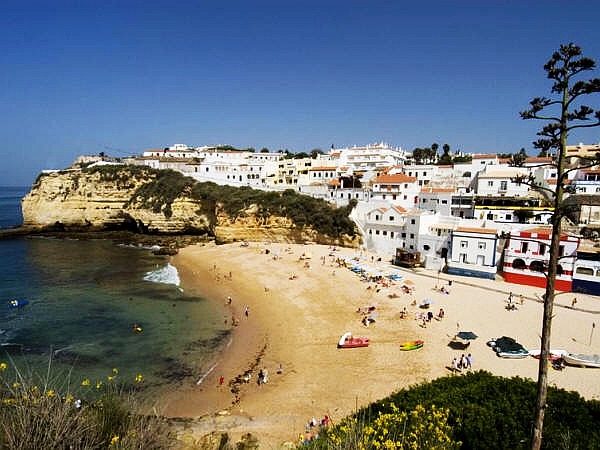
x=598 y=189
x=424 y=174
x=391 y=218
x=424 y=200
x=444 y=202
x=490 y=216
x=585 y=270
x=490 y=183
x=370 y=231
x=542 y=249
x=392 y=234
x=377 y=232
x=481 y=245
x=561 y=250
x=412 y=236
x=376 y=216
x=503 y=185
x=524 y=246
x=426 y=247
x=403 y=235
x=412 y=221
x=384 y=196
x=384 y=232
x=411 y=247
x=509 y=217
x=463 y=244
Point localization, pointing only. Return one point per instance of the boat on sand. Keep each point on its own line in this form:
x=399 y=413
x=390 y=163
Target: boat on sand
x=575 y=359
x=412 y=345
x=349 y=341
x=553 y=354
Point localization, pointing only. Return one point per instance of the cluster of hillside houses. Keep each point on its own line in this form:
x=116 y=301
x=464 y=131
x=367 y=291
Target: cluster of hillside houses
x=471 y=218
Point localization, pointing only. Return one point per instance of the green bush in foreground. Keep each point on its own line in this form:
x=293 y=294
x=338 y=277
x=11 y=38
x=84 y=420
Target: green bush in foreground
x=51 y=413
x=478 y=410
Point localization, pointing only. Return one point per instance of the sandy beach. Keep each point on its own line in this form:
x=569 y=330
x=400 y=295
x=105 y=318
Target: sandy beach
x=299 y=307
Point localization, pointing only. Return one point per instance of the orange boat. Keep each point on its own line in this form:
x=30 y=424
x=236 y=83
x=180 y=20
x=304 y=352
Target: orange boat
x=349 y=341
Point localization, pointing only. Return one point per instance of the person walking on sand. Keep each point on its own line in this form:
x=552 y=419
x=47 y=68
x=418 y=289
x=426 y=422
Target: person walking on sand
x=246 y=311
x=510 y=296
x=229 y=299
x=573 y=302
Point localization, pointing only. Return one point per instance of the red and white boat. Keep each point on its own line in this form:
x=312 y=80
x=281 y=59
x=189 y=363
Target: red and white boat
x=553 y=354
x=349 y=341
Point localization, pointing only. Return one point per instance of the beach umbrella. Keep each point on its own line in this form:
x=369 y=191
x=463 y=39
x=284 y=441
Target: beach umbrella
x=466 y=335
x=426 y=303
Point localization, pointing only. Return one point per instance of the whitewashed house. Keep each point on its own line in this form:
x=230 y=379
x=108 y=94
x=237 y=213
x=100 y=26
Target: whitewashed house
x=436 y=200
x=493 y=182
x=383 y=229
x=397 y=189
x=473 y=252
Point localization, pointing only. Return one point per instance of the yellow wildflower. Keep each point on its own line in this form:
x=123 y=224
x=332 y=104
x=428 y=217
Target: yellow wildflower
x=98 y=384
x=85 y=382
x=50 y=393
x=3 y=366
x=114 y=440
x=110 y=378
x=9 y=401
x=139 y=378
x=69 y=399
x=115 y=371
x=16 y=384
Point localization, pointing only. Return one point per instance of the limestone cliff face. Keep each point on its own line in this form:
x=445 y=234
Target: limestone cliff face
x=76 y=200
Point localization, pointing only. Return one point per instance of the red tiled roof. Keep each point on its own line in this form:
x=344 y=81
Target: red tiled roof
x=484 y=156
x=396 y=178
x=399 y=208
x=476 y=230
x=436 y=190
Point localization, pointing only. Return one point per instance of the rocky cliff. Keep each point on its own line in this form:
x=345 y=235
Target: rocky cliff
x=145 y=200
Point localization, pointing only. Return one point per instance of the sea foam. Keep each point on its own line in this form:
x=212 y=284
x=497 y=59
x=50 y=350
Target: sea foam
x=166 y=275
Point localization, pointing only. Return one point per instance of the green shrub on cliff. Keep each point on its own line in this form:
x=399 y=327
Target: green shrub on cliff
x=162 y=187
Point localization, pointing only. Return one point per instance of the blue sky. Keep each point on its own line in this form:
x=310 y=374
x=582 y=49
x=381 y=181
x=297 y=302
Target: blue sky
x=81 y=77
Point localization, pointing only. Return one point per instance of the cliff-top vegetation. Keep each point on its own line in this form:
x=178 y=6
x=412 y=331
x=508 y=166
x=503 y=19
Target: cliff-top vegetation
x=160 y=188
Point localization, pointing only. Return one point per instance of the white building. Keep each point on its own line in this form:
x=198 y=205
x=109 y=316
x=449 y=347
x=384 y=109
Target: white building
x=397 y=189
x=368 y=157
x=493 y=182
x=473 y=252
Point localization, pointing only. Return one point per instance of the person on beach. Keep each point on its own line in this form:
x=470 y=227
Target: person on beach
x=247 y=311
x=469 y=361
x=510 y=297
x=521 y=299
x=229 y=299
x=573 y=302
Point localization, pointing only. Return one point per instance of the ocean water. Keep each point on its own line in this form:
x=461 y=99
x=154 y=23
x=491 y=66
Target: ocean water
x=84 y=298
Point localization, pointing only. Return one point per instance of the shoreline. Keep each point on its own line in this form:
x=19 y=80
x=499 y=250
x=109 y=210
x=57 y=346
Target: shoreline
x=296 y=323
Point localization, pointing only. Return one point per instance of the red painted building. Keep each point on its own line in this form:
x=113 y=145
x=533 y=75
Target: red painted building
x=527 y=253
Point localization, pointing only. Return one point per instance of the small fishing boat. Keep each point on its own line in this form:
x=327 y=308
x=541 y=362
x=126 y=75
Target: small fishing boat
x=17 y=303
x=412 y=345
x=580 y=360
x=507 y=347
x=349 y=341
x=553 y=354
